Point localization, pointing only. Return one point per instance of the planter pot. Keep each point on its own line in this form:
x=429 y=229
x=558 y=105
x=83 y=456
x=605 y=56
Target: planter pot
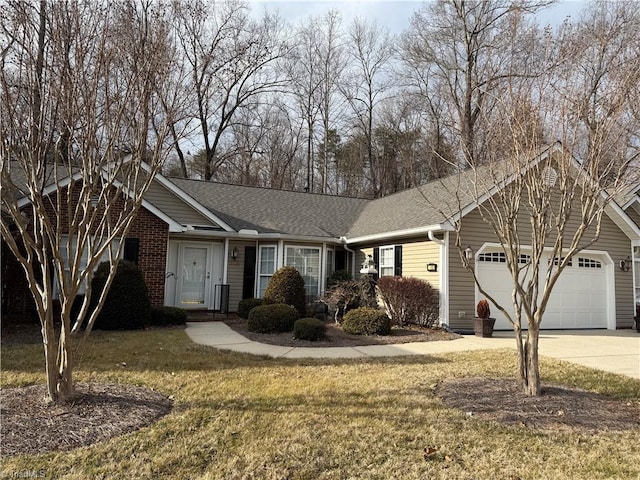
x=483 y=327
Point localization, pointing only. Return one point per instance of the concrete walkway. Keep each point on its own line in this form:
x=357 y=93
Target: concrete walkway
x=616 y=351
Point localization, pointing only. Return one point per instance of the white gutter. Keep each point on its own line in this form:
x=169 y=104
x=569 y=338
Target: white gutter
x=260 y=236
x=402 y=233
x=343 y=240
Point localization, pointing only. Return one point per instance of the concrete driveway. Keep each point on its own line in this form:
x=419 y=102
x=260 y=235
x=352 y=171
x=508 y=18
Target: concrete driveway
x=616 y=351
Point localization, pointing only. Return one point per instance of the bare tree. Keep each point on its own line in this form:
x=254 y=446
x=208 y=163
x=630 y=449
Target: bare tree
x=83 y=133
x=332 y=61
x=230 y=59
x=545 y=204
x=304 y=72
x=465 y=51
x=367 y=81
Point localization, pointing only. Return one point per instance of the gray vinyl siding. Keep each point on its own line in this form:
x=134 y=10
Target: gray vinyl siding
x=632 y=212
x=173 y=206
x=475 y=233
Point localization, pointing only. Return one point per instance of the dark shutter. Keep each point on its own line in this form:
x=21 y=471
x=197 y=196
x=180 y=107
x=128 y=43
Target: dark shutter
x=341 y=260
x=376 y=260
x=131 y=249
x=397 y=260
x=249 y=275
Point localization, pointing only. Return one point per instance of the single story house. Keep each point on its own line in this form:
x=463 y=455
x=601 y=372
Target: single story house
x=206 y=246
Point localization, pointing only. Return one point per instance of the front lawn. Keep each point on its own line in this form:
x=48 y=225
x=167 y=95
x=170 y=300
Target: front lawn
x=236 y=416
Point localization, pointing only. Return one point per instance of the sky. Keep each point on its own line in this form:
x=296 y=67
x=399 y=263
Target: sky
x=392 y=14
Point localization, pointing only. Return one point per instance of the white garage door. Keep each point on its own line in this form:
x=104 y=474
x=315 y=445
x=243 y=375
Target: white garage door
x=578 y=300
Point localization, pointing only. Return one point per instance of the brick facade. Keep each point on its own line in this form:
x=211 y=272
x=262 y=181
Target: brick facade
x=152 y=234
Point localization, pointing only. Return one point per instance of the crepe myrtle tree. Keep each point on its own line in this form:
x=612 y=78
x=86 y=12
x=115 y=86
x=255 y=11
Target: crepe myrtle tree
x=545 y=199
x=81 y=140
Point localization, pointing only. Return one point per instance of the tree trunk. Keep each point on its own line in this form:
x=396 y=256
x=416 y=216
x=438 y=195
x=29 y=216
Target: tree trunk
x=50 y=352
x=58 y=361
x=530 y=368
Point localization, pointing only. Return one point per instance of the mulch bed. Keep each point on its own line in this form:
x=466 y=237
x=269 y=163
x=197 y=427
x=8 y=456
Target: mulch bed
x=336 y=337
x=558 y=408
x=99 y=412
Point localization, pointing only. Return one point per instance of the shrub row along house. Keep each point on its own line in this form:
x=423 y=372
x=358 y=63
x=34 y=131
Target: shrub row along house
x=206 y=246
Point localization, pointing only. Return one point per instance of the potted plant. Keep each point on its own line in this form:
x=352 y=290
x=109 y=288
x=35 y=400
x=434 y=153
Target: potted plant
x=483 y=324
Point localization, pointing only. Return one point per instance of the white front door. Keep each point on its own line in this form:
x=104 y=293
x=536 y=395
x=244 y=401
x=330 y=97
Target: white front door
x=199 y=270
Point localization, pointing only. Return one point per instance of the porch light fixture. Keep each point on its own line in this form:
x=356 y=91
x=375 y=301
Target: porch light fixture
x=625 y=264
x=368 y=266
x=468 y=253
x=234 y=253
x=467 y=256
x=432 y=267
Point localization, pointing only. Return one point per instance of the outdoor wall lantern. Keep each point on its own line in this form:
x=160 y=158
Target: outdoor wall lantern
x=467 y=256
x=234 y=253
x=432 y=267
x=368 y=266
x=625 y=264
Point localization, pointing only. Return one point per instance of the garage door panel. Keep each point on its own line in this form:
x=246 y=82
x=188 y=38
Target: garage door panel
x=578 y=300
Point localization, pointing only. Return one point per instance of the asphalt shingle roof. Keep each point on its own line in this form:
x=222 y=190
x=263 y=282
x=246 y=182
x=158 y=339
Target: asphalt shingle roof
x=275 y=211
x=298 y=213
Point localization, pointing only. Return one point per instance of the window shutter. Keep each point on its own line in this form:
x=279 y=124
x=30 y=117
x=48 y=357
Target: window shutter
x=376 y=260
x=131 y=249
x=397 y=261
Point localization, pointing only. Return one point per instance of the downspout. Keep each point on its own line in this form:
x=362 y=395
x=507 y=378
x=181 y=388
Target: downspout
x=444 y=277
x=353 y=254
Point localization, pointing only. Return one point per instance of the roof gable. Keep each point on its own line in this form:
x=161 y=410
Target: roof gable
x=275 y=211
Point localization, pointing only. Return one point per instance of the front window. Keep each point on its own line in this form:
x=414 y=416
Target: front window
x=266 y=267
x=307 y=261
x=69 y=251
x=387 y=267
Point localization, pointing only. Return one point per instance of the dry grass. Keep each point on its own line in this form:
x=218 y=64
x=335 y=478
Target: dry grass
x=241 y=417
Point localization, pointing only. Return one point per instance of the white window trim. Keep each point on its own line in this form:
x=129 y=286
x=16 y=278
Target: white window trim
x=320 y=260
x=392 y=266
x=64 y=240
x=261 y=275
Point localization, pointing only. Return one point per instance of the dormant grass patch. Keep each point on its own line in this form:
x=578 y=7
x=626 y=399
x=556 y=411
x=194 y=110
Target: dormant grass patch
x=237 y=416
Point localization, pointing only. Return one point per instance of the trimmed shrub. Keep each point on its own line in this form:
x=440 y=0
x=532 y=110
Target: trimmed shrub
x=350 y=294
x=287 y=286
x=127 y=306
x=337 y=277
x=272 y=318
x=409 y=300
x=162 y=316
x=366 y=321
x=309 y=329
x=246 y=305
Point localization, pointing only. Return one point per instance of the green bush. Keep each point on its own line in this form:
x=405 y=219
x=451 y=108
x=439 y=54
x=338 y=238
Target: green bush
x=272 y=318
x=162 y=316
x=127 y=306
x=309 y=329
x=287 y=286
x=246 y=305
x=366 y=321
